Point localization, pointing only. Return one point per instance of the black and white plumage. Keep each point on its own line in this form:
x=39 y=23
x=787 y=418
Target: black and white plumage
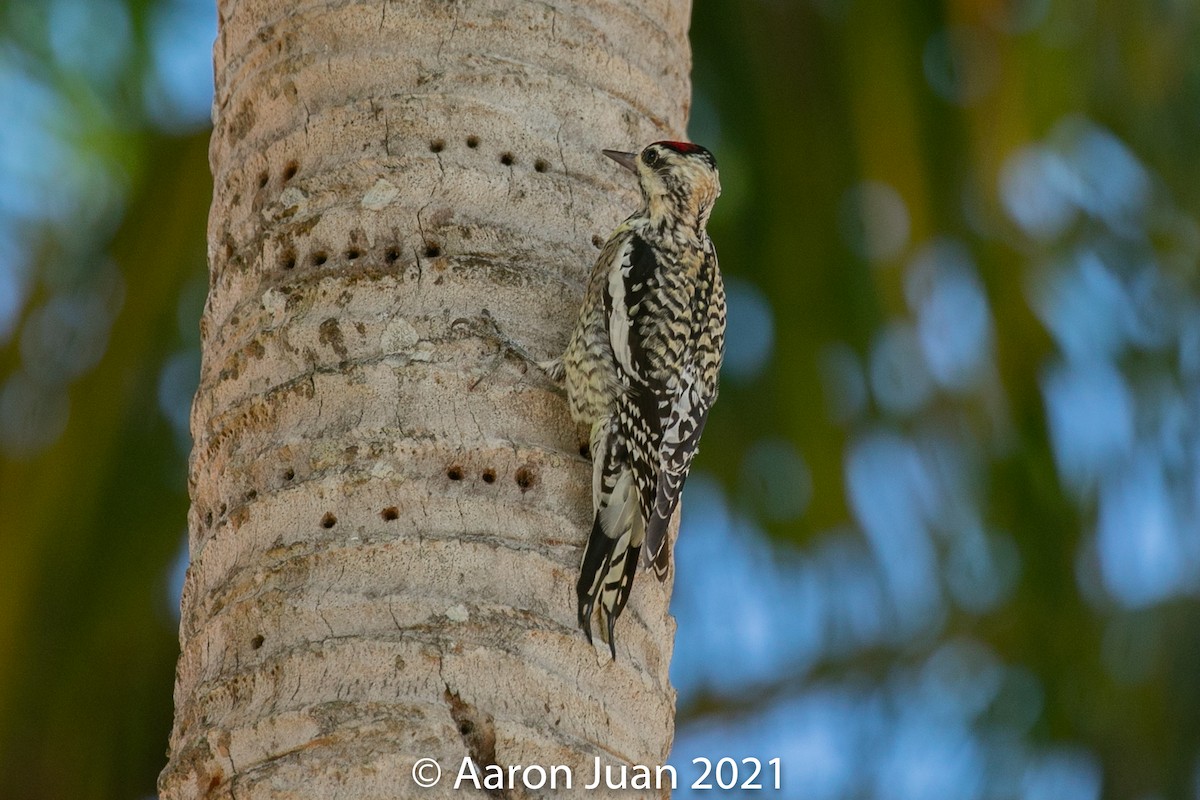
x=641 y=369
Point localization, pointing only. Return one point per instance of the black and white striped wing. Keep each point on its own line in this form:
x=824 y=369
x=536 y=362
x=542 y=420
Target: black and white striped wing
x=685 y=410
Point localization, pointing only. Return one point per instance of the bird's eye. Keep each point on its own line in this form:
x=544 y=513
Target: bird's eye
x=650 y=157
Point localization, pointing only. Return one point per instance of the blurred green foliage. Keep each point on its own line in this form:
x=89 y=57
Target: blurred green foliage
x=93 y=521
x=104 y=223
x=807 y=99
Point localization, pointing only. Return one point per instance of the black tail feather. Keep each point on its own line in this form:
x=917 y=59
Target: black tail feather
x=598 y=560
x=612 y=640
x=594 y=559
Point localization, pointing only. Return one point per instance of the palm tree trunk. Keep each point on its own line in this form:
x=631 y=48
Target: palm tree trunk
x=384 y=534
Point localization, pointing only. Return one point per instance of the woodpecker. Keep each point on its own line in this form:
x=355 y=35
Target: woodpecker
x=641 y=369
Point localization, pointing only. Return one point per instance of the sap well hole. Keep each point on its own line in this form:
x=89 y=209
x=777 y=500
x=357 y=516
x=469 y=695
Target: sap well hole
x=525 y=478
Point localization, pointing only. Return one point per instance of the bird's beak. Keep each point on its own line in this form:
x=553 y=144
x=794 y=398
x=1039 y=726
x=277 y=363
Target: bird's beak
x=626 y=160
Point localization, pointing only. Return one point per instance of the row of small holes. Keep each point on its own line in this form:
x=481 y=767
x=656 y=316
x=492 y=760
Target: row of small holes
x=289 y=172
x=524 y=477
x=389 y=514
x=435 y=146
x=320 y=257
x=506 y=158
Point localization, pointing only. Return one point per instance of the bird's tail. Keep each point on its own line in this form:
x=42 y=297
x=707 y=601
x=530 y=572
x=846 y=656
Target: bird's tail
x=614 y=545
x=605 y=579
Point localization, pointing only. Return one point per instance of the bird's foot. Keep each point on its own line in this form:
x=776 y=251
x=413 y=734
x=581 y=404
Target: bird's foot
x=485 y=327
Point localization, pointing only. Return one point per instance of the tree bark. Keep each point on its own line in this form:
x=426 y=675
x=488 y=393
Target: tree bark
x=384 y=533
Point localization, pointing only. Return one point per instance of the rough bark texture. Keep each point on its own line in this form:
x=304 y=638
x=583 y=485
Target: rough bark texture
x=384 y=550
